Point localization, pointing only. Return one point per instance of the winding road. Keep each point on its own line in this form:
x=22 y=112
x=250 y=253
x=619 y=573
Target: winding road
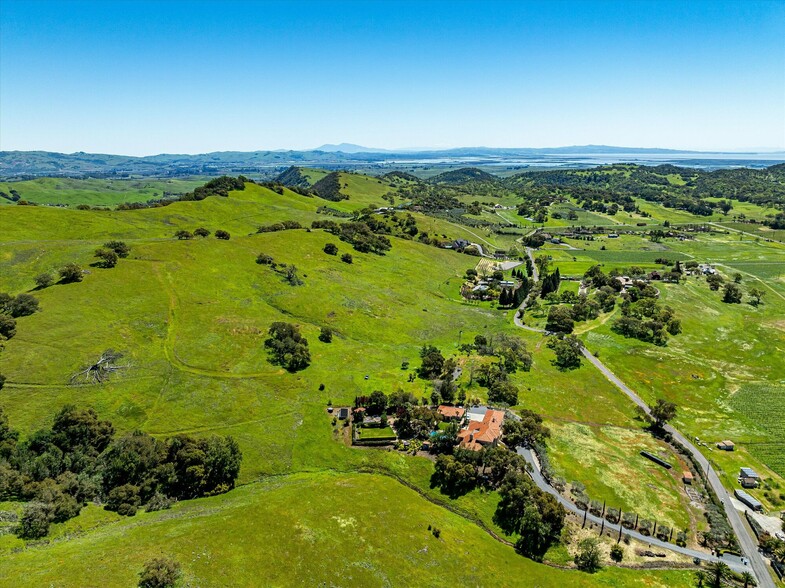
x=747 y=542
x=536 y=476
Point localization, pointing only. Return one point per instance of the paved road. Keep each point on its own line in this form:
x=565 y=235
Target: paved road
x=747 y=542
x=535 y=474
x=535 y=276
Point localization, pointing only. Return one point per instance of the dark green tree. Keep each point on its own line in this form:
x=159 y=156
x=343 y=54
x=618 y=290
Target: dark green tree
x=560 y=319
x=731 y=294
x=287 y=347
x=7 y=326
x=326 y=335
x=108 y=258
x=22 y=305
x=70 y=272
x=44 y=280
x=120 y=247
x=568 y=351
x=432 y=362
x=662 y=412
x=588 y=557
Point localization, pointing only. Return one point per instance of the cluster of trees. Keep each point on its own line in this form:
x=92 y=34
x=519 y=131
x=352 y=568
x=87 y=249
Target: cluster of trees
x=359 y=234
x=776 y=222
x=11 y=308
x=509 y=349
x=524 y=510
x=287 y=347
x=329 y=188
x=108 y=256
x=732 y=292
x=182 y=234
x=13 y=197
x=608 y=188
x=286 y=225
x=646 y=320
x=568 y=350
x=217 y=187
x=78 y=459
x=549 y=283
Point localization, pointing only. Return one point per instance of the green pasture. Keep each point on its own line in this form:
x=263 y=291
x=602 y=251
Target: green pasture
x=98 y=192
x=191 y=317
x=360 y=530
x=607 y=461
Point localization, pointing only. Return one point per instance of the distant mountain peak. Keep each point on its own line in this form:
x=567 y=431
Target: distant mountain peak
x=347 y=148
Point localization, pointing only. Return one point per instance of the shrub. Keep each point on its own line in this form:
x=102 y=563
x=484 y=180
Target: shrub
x=221 y=234
x=326 y=335
x=44 y=280
x=21 y=305
x=159 y=502
x=347 y=258
x=7 y=326
x=161 y=572
x=119 y=247
x=588 y=557
x=264 y=259
x=71 y=272
x=123 y=499
x=182 y=234
x=617 y=553
x=34 y=522
x=331 y=249
x=202 y=232
x=108 y=258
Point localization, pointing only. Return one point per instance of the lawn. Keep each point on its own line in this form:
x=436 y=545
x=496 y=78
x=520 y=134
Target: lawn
x=377 y=433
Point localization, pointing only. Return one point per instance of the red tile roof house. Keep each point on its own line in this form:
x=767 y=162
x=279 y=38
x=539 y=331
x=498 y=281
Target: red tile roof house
x=483 y=430
x=451 y=412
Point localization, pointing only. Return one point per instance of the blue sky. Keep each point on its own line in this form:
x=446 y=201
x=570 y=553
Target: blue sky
x=190 y=77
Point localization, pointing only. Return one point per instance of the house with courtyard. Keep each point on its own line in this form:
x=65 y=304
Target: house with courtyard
x=483 y=428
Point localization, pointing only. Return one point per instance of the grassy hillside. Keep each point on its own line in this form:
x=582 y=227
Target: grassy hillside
x=98 y=192
x=191 y=318
x=325 y=528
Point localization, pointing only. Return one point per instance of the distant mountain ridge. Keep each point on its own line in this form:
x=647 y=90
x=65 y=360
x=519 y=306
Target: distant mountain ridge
x=29 y=164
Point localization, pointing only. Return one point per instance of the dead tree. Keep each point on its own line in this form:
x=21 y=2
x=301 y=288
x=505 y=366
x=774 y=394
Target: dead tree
x=99 y=372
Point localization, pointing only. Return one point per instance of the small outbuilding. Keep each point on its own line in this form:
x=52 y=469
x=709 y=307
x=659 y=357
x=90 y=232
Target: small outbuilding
x=748 y=482
x=726 y=445
x=748 y=500
x=686 y=477
x=748 y=473
x=343 y=413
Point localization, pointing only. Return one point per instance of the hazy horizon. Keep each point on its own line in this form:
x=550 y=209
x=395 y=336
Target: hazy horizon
x=144 y=78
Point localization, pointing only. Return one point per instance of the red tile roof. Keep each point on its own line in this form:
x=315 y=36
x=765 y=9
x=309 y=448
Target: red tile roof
x=451 y=412
x=485 y=432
